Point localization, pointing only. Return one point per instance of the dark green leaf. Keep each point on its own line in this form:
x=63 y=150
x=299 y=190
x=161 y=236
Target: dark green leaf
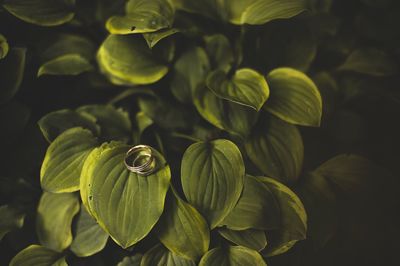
x=142 y=16
x=212 y=178
x=115 y=123
x=293 y=225
x=220 y=51
x=36 y=255
x=11 y=219
x=64 y=159
x=89 y=238
x=131 y=261
x=246 y=87
x=294 y=97
x=54 y=218
x=160 y=256
x=276 y=148
x=117 y=197
x=250 y=238
x=232 y=117
x=126 y=60
x=190 y=71
x=257 y=208
x=55 y=123
x=3 y=47
x=370 y=61
x=232 y=255
x=182 y=229
x=41 y=12
x=11 y=73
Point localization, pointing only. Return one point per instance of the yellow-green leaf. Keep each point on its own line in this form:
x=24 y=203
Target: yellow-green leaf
x=232 y=256
x=11 y=73
x=36 y=255
x=127 y=60
x=54 y=218
x=250 y=238
x=11 y=219
x=212 y=178
x=160 y=256
x=64 y=159
x=294 y=97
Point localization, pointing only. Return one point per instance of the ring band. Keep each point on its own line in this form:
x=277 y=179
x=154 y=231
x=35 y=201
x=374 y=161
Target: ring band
x=134 y=157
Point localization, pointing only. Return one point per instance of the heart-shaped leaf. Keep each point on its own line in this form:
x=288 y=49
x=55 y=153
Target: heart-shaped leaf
x=370 y=61
x=35 y=255
x=55 y=123
x=190 y=70
x=182 y=229
x=127 y=60
x=54 y=218
x=11 y=219
x=142 y=16
x=64 y=159
x=67 y=55
x=160 y=256
x=127 y=205
x=232 y=255
x=276 y=148
x=256 y=12
x=250 y=238
x=89 y=238
x=246 y=87
x=293 y=225
x=294 y=97
x=115 y=123
x=220 y=51
x=3 y=47
x=229 y=116
x=257 y=208
x=41 y=12
x=212 y=178
x=11 y=73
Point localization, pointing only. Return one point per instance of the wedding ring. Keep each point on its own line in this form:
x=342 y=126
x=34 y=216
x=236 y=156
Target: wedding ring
x=140 y=159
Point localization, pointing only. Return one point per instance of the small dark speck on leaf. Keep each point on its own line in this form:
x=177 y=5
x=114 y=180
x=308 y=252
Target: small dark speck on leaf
x=133 y=28
x=90 y=197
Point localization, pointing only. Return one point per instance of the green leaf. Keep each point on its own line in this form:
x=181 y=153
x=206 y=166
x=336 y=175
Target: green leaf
x=257 y=12
x=11 y=73
x=250 y=238
x=370 y=61
x=36 y=255
x=220 y=51
x=11 y=219
x=294 y=97
x=127 y=60
x=115 y=123
x=276 y=148
x=349 y=172
x=206 y=8
x=190 y=71
x=293 y=225
x=142 y=16
x=257 y=208
x=54 y=218
x=3 y=47
x=246 y=87
x=182 y=229
x=232 y=117
x=152 y=38
x=160 y=256
x=67 y=55
x=232 y=255
x=212 y=178
x=89 y=238
x=320 y=202
x=125 y=204
x=55 y=123
x=41 y=12
x=131 y=261
x=64 y=159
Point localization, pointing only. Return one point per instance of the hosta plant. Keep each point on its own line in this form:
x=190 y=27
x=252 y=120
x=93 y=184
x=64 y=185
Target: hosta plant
x=218 y=94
